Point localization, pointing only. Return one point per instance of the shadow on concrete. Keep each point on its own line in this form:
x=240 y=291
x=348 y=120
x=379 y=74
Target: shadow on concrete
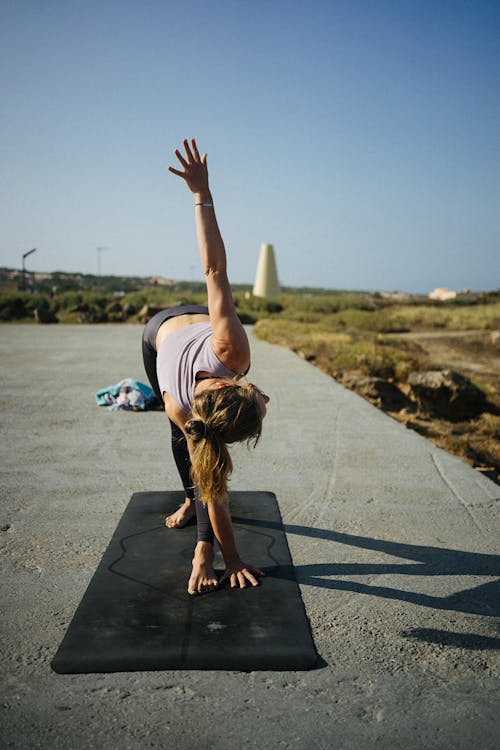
x=468 y=641
x=426 y=561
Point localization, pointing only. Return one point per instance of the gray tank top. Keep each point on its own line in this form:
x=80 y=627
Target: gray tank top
x=181 y=356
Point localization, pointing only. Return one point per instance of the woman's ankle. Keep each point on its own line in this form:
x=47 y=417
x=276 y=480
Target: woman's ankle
x=204 y=549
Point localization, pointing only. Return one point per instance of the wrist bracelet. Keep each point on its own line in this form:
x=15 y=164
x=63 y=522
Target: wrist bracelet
x=204 y=204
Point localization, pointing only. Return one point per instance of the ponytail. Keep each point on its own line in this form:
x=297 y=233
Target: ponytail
x=221 y=416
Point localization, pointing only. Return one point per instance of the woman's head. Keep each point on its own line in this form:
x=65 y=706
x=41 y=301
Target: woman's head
x=225 y=412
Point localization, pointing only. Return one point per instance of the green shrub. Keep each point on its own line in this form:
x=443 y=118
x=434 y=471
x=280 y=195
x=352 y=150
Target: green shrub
x=326 y=303
x=40 y=301
x=66 y=300
x=363 y=320
x=13 y=306
x=163 y=297
x=251 y=304
x=20 y=305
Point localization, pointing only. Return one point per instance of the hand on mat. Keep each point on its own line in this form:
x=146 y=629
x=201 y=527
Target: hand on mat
x=239 y=573
x=195 y=169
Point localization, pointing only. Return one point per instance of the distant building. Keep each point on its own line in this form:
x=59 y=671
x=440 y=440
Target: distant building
x=160 y=281
x=396 y=296
x=441 y=294
x=266 y=278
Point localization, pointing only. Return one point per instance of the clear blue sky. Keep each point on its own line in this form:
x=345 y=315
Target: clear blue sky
x=360 y=137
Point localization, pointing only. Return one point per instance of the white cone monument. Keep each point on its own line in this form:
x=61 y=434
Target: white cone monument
x=266 y=278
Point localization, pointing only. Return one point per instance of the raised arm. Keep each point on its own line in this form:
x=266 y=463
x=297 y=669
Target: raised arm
x=229 y=339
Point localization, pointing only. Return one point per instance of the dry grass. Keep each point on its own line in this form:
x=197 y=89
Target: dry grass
x=336 y=352
x=362 y=341
x=451 y=317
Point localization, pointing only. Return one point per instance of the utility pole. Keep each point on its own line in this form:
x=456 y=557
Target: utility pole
x=100 y=249
x=25 y=255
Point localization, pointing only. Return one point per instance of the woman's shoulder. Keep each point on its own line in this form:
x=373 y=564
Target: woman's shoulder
x=234 y=356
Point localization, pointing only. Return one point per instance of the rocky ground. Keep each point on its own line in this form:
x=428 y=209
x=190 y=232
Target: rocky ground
x=450 y=410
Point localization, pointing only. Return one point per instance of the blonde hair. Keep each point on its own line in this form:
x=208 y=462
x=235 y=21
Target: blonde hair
x=219 y=416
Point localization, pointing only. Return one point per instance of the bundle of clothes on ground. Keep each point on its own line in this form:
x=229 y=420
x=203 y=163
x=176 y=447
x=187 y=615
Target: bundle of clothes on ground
x=127 y=394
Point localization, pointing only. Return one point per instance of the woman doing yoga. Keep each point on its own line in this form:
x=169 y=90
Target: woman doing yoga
x=194 y=357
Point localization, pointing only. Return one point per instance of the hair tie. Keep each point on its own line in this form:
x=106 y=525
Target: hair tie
x=202 y=429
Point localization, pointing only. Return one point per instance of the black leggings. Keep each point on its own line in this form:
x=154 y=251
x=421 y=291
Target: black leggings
x=179 y=445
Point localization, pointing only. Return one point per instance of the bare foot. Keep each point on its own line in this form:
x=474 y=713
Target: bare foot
x=203 y=578
x=181 y=517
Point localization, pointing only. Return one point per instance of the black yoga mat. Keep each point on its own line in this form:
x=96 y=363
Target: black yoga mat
x=137 y=615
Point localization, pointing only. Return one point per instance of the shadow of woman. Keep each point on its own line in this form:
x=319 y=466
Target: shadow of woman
x=483 y=599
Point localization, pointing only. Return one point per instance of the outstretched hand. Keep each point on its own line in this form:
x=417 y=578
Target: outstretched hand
x=239 y=574
x=195 y=171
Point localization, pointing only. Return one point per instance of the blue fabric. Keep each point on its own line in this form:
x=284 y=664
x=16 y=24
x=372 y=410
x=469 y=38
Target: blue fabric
x=146 y=398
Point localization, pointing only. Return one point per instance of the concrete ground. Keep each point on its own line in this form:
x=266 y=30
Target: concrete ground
x=395 y=545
